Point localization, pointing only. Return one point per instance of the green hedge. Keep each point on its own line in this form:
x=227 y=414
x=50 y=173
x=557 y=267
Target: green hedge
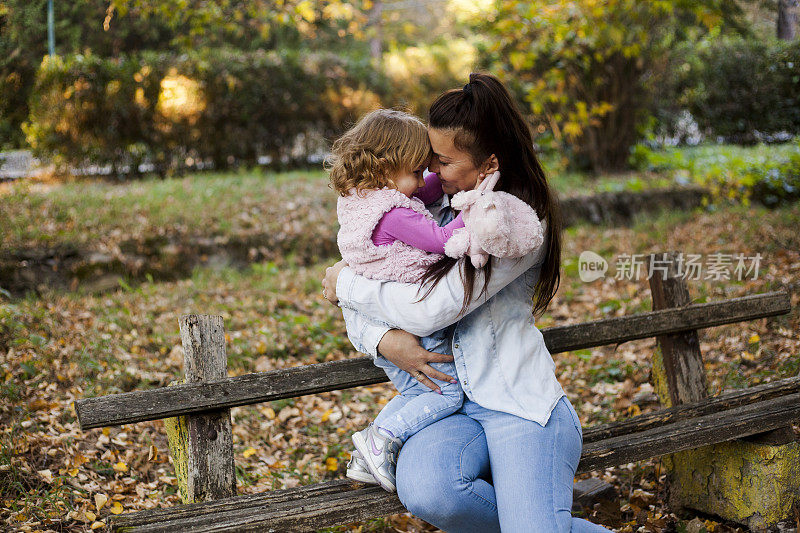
x=224 y=107
x=768 y=174
x=737 y=87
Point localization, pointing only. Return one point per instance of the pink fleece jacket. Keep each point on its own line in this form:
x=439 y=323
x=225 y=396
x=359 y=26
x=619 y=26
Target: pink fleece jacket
x=378 y=252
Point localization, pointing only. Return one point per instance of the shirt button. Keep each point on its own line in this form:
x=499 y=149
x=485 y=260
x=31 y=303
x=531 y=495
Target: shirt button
x=455 y=346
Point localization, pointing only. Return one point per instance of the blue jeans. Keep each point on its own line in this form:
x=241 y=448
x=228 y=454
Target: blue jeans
x=417 y=406
x=482 y=471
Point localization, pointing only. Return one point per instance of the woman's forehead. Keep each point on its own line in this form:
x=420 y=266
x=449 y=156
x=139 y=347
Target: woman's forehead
x=442 y=142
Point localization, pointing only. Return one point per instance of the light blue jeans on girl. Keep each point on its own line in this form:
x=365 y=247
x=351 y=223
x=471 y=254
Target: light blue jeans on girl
x=484 y=471
x=417 y=406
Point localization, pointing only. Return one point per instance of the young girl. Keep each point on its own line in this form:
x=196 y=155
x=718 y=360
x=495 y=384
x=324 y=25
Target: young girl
x=387 y=233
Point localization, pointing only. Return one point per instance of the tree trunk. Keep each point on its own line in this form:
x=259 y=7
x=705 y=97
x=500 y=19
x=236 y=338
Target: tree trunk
x=376 y=22
x=787 y=19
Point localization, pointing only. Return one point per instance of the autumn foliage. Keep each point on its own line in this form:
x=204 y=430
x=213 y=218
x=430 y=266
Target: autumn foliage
x=587 y=69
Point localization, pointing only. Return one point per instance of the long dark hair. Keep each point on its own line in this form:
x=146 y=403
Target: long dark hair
x=486 y=121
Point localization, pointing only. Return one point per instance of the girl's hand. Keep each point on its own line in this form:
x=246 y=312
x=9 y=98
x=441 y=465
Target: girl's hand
x=329 y=282
x=403 y=349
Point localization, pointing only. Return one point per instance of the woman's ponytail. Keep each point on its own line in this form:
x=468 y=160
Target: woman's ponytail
x=486 y=121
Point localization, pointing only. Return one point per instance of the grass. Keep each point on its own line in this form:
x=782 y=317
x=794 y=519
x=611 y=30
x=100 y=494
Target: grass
x=87 y=212
x=709 y=155
x=768 y=174
x=101 y=215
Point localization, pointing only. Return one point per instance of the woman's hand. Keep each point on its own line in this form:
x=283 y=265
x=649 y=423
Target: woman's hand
x=487 y=183
x=404 y=350
x=329 y=282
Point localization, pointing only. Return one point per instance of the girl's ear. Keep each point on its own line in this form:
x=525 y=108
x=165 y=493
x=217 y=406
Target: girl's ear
x=384 y=169
x=490 y=166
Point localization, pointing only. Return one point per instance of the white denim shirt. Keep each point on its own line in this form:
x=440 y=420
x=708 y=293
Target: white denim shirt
x=500 y=356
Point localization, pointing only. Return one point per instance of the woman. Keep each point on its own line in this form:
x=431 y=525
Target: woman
x=506 y=460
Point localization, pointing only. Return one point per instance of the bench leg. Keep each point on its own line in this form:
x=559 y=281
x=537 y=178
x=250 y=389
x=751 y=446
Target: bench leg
x=755 y=482
x=750 y=483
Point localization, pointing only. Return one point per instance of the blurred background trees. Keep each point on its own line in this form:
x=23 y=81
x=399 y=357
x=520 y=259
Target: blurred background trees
x=589 y=69
x=168 y=85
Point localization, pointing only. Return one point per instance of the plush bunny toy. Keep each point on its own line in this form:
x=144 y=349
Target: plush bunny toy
x=496 y=223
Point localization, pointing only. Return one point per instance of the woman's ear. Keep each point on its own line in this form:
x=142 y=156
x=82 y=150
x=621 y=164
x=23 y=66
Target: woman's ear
x=490 y=166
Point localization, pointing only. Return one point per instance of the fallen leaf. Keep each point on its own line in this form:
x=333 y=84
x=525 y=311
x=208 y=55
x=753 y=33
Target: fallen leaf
x=332 y=464
x=39 y=404
x=116 y=508
x=99 y=501
x=120 y=467
x=249 y=452
x=747 y=356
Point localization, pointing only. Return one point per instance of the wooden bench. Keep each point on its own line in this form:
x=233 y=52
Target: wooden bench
x=208 y=394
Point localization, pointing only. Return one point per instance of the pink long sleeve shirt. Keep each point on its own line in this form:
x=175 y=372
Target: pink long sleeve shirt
x=414 y=228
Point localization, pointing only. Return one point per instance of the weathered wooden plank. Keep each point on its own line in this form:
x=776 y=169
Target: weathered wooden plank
x=210 y=471
x=262 y=500
x=692 y=433
x=346 y=492
x=728 y=400
x=335 y=375
x=643 y=325
x=339 y=502
x=246 y=389
x=681 y=363
x=358 y=504
x=776 y=437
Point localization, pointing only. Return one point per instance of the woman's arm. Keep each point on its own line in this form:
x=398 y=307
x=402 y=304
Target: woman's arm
x=364 y=335
x=401 y=348
x=396 y=302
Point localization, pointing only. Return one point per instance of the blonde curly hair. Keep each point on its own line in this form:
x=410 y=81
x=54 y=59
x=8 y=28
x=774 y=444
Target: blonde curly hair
x=382 y=144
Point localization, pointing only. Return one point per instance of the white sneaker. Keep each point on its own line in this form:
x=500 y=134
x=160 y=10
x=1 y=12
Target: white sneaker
x=357 y=469
x=379 y=449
